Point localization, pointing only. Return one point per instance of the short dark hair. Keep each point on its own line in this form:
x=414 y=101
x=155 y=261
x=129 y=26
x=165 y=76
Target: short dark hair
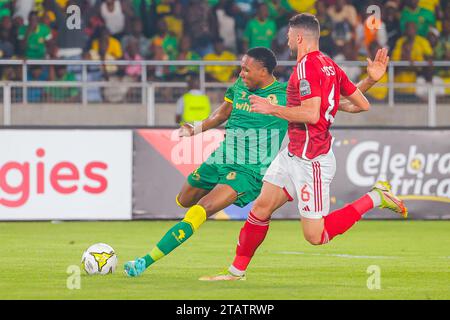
x=305 y=21
x=265 y=56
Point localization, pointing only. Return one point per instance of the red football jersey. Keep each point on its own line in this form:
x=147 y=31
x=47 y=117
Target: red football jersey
x=315 y=75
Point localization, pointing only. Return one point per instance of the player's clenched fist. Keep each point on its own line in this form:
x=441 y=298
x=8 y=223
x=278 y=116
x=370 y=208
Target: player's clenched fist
x=186 y=130
x=261 y=105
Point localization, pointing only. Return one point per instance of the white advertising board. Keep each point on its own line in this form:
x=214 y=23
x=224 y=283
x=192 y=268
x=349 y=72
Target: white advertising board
x=66 y=174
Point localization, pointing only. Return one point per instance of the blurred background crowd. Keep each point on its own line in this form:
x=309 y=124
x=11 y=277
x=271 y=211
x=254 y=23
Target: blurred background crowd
x=413 y=30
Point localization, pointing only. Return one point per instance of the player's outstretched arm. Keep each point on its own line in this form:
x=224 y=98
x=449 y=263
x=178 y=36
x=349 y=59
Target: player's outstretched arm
x=308 y=113
x=375 y=71
x=219 y=116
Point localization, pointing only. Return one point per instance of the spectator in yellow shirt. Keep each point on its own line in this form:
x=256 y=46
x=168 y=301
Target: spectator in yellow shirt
x=421 y=49
x=114 y=47
x=220 y=73
x=303 y=6
x=106 y=48
x=410 y=47
x=174 y=20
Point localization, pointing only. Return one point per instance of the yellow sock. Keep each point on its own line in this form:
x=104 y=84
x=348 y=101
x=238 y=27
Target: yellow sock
x=195 y=216
x=179 y=233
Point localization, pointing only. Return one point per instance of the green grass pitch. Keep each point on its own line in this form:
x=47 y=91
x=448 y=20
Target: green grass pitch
x=413 y=258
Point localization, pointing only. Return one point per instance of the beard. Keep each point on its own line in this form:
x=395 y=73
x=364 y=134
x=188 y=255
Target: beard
x=293 y=52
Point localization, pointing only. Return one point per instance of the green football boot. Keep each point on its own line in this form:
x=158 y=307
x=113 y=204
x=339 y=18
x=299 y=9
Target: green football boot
x=389 y=200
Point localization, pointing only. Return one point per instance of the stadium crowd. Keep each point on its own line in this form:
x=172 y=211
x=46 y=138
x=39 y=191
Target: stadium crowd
x=413 y=30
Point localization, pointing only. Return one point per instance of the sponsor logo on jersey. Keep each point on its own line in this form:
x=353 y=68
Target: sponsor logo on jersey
x=243 y=106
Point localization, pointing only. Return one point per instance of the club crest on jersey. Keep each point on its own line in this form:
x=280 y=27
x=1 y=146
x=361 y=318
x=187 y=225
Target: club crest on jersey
x=231 y=176
x=273 y=99
x=195 y=175
x=305 y=87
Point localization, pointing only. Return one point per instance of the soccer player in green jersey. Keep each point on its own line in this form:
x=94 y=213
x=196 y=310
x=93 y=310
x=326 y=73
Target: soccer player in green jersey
x=234 y=172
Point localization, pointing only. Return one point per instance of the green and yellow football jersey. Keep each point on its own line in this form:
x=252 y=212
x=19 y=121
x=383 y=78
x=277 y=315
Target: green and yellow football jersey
x=252 y=140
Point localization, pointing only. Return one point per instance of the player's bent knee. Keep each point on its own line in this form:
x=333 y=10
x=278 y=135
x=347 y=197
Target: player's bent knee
x=314 y=239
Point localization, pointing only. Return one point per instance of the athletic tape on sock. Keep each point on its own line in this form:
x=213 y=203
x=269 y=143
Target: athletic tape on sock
x=178 y=202
x=376 y=198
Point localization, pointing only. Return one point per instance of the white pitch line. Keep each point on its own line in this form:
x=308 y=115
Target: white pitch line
x=339 y=255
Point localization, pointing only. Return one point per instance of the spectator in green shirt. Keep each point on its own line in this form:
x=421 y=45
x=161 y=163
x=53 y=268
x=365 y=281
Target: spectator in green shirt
x=423 y=18
x=276 y=11
x=443 y=46
x=36 y=73
x=167 y=41
x=5 y=8
x=260 y=31
x=140 y=7
x=34 y=37
x=213 y=3
x=62 y=94
x=185 y=54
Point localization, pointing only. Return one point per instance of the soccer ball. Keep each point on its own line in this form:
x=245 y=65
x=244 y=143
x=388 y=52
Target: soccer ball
x=99 y=258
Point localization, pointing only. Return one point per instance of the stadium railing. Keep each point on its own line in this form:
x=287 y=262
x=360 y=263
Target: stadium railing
x=148 y=88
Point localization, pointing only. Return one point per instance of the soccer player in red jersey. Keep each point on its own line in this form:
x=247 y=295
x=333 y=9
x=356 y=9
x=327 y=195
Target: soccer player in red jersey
x=305 y=169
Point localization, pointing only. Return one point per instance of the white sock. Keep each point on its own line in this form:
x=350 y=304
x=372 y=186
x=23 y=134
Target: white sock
x=376 y=198
x=236 y=272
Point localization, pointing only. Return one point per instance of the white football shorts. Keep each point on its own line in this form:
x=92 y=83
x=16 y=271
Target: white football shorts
x=307 y=180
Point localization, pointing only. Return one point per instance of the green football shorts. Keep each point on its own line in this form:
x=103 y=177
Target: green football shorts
x=246 y=183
